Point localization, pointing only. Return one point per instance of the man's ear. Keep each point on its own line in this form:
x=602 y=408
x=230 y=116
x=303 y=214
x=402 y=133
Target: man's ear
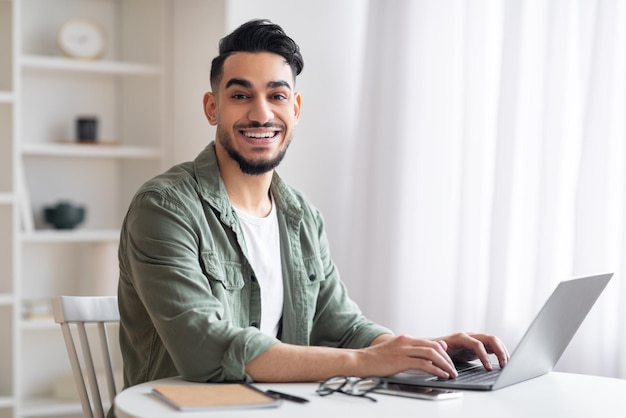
x=210 y=107
x=297 y=104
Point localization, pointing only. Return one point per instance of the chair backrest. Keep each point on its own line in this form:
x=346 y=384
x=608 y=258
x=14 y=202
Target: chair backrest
x=81 y=310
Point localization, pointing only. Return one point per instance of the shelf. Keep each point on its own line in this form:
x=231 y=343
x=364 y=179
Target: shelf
x=39 y=324
x=42 y=62
x=47 y=406
x=6 y=97
x=6 y=299
x=6 y=198
x=75 y=235
x=95 y=150
x=6 y=402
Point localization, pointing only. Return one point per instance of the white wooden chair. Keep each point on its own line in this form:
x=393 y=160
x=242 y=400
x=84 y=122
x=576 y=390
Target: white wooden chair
x=79 y=310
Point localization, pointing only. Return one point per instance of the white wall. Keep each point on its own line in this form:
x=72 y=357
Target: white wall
x=319 y=159
x=197 y=25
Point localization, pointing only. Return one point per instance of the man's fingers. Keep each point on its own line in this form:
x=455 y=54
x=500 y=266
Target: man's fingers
x=435 y=361
x=499 y=349
x=467 y=347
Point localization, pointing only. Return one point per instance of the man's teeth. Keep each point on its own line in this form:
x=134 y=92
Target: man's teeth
x=260 y=135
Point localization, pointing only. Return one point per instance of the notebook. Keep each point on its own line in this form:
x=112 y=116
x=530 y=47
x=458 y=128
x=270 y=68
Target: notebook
x=538 y=351
x=219 y=396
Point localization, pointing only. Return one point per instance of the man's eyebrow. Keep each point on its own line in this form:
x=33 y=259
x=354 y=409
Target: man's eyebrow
x=239 y=82
x=280 y=83
x=248 y=85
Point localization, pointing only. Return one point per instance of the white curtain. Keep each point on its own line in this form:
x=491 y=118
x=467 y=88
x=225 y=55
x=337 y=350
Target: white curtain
x=491 y=164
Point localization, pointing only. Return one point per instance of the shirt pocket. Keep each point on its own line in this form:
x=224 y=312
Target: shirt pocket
x=226 y=281
x=314 y=271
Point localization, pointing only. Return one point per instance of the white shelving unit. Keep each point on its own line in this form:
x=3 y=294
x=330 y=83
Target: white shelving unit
x=42 y=93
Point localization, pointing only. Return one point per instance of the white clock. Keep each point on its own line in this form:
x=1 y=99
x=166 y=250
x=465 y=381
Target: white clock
x=81 y=38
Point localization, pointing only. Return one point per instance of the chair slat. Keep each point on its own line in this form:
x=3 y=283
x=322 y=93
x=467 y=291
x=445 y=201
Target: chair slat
x=76 y=370
x=90 y=370
x=106 y=361
x=77 y=311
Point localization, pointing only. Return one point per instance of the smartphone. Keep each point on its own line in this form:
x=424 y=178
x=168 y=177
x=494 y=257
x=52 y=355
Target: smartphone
x=418 y=392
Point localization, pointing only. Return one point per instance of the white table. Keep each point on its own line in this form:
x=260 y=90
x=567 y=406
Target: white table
x=555 y=395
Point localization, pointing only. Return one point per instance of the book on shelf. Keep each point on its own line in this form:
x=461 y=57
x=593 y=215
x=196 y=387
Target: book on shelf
x=214 y=396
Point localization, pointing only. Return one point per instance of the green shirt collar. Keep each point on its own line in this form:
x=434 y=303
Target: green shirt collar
x=213 y=190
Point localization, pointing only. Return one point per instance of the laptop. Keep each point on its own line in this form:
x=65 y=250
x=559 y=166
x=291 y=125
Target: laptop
x=538 y=351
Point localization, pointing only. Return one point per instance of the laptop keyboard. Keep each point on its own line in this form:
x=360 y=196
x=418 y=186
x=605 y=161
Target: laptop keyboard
x=476 y=375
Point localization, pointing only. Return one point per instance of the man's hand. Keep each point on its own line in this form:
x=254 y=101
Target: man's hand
x=388 y=355
x=464 y=347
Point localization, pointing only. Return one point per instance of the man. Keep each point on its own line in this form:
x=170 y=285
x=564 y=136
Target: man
x=225 y=272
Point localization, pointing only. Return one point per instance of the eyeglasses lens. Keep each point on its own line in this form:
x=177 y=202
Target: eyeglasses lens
x=332 y=385
x=363 y=386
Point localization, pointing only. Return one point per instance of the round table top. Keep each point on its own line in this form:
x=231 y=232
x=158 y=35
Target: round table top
x=551 y=395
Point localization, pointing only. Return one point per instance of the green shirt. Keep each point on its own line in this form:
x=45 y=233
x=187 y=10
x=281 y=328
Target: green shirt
x=189 y=301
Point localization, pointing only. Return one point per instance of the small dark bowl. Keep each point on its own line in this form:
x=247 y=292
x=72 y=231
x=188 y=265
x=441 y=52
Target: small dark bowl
x=64 y=215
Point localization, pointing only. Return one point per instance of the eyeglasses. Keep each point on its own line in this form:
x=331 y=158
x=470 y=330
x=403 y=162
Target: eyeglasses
x=353 y=386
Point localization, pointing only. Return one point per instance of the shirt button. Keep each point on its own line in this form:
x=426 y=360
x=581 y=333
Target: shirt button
x=253 y=278
x=254 y=324
x=312 y=277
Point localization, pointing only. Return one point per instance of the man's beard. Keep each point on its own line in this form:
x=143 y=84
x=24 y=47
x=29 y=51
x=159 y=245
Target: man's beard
x=247 y=166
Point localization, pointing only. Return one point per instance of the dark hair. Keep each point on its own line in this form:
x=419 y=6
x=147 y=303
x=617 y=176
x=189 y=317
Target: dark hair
x=257 y=35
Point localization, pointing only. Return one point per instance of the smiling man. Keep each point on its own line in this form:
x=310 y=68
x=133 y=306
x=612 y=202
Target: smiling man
x=225 y=270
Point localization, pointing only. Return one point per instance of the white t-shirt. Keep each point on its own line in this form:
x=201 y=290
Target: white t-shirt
x=263 y=245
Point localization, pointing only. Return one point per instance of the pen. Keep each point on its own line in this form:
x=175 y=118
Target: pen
x=286 y=396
